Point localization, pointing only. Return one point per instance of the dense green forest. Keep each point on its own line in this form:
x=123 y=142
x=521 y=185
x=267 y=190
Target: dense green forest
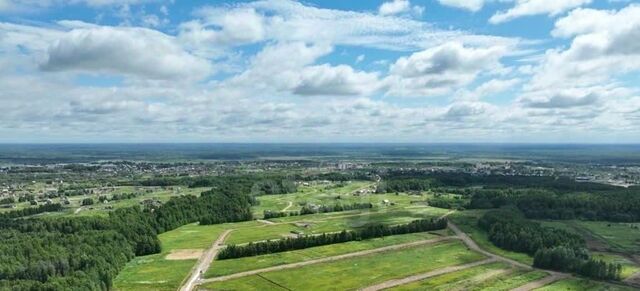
x=552 y=248
x=618 y=206
x=307 y=241
x=402 y=181
x=87 y=253
x=249 y=183
x=537 y=197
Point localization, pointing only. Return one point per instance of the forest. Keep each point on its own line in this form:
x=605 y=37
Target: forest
x=86 y=253
x=552 y=248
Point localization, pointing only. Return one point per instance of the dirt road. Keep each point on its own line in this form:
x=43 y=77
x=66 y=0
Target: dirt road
x=542 y=282
x=266 y=221
x=288 y=206
x=327 y=259
x=203 y=263
x=553 y=276
x=473 y=246
x=414 y=278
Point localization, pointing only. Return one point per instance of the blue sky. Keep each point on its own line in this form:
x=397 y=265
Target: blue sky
x=320 y=71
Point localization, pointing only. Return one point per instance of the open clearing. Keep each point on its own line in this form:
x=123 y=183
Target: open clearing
x=184 y=254
x=226 y=267
x=362 y=271
x=153 y=273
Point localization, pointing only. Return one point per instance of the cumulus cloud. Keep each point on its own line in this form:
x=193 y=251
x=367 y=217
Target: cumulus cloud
x=129 y=51
x=604 y=45
x=223 y=27
x=335 y=80
x=535 y=7
x=394 y=7
x=493 y=86
x=561 y=100
x=471 y=5
x=440 y=69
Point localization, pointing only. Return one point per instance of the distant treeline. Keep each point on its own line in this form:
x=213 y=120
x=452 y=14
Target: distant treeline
x=446 y=202
x=306 y=210
x=537 y=197
x=552 y=248
x=86 y=253
x=396 y=181
x=247 y=184
x=617 y=206
x=30 y=211
x=302 y=242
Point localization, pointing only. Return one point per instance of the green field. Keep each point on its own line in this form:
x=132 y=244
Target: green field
x=153 y=273
x=495 y=276
x=358 y=272
x=226 y=267
x=576 y=284
x=330 y=222
x=619 y=236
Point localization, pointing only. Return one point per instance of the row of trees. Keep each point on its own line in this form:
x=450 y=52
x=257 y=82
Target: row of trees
x=446 y=202
x=552 y=248
x=30 y=211
x=308 y=209
x=250 y=183
x=302 y=242
x=576 y=260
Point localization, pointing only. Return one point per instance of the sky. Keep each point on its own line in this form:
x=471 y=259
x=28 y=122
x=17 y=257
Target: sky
x=523 y=71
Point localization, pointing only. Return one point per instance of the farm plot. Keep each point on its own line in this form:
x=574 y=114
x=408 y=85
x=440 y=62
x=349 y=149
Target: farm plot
x=361 y=271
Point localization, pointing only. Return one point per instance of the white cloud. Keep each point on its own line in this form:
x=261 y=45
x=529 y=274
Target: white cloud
x=604 y=46
x=224 y=28
x=31 y=5
x=286 y=20
x=535 y=7
x=129 y=51
x=493 y=86
x=565 y=99
x=471 y=5
x=394 y=7
x=335 y=80
x=441 y=69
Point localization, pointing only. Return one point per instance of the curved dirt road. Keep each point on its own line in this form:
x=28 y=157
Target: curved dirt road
x=203 y=263
x=553 y=276
x=288 y=206
x=414 y=278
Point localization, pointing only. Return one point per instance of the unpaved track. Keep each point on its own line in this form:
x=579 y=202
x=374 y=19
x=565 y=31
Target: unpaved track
x=288 y=206
x=414 y=278
x=473 y=246
x=203 y=263
x=266 y=221
x=327 y=259
x=553 y=276
x=542 y=282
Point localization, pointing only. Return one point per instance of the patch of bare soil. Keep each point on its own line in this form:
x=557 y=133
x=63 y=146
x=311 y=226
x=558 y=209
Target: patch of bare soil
x=185 y=254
